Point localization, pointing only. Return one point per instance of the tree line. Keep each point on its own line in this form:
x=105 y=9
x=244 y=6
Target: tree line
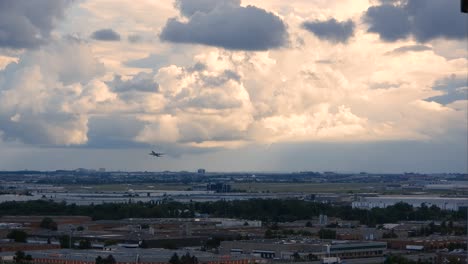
x=255 y=209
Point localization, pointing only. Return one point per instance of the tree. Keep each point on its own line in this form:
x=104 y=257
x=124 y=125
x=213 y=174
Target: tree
x=21 y=257
x=110 y=242
x=48 y=223
x=327 y=234
x=296 y=257
x=108 y=260
x=143 y=244
x=187 y=259
x=18 y=236
x=64 y=241
x=174 y=259
x=390 y=234
x=84 y=244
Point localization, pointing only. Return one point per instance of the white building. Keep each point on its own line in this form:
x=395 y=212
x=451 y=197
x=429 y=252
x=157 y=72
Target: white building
x=445 y=203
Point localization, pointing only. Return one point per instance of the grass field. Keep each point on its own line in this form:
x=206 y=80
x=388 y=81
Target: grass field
x=126 y=187
x=305 y=187
x=248 y=187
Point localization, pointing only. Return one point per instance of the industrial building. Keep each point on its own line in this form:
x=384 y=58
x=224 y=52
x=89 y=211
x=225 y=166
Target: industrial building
x=125 y=255
x=383 y=201
x=306 y=249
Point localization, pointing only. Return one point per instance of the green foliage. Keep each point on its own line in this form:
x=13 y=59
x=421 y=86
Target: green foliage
x=108 y=260
x=48 y=223
x=21 y=257
x=143 y=244
x=64 y=241
x=84 y=244
x=296 y=257
x=213 y=242
x=327 y=234
x=174 y=259
x=397 y=259
x=390 y=234
x=258 y=209
x=18 y=236
x=187 y=259
x=110 y=242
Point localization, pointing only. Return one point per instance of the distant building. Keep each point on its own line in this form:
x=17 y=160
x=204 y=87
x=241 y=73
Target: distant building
x=126 y=255
x=383 y=201
x=201 y=171
x=287 y=250
x=456 y=256
x=13 y=247
x=218 y=187
x=323 y=219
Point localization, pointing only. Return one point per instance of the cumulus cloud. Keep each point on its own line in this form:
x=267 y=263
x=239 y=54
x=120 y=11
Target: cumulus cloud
x=225 y=24
x=331 y=29
x=207 y=105
x=424 y=20
x=225 y=97
x=105 y=35
x=28 y=24
x=46 y=95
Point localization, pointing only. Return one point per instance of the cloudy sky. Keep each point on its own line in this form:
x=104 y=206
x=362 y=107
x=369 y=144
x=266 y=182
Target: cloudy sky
x=231 y=85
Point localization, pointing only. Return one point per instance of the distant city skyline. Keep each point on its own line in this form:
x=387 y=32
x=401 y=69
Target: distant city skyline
x=231 y=85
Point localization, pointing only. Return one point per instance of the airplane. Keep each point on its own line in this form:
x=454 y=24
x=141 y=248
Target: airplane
x=156 y=154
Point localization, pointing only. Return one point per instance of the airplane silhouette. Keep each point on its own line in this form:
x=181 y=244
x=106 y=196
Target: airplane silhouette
x=156 y=154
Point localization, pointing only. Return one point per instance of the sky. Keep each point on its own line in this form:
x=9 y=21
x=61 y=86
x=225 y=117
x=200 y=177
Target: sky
x=231 y=85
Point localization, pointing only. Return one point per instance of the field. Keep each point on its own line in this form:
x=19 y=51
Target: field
x=126 y=187
x=305 y=187
x=248 y=187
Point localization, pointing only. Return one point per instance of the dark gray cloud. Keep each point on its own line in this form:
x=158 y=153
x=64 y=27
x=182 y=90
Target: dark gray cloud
x=390 y=22
x=105 y=35
x=225 y=24
x=454 y=87
x=331 y=29
x=28 y=24
x=424 y=20
x=142 y=82
x=409 y=48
